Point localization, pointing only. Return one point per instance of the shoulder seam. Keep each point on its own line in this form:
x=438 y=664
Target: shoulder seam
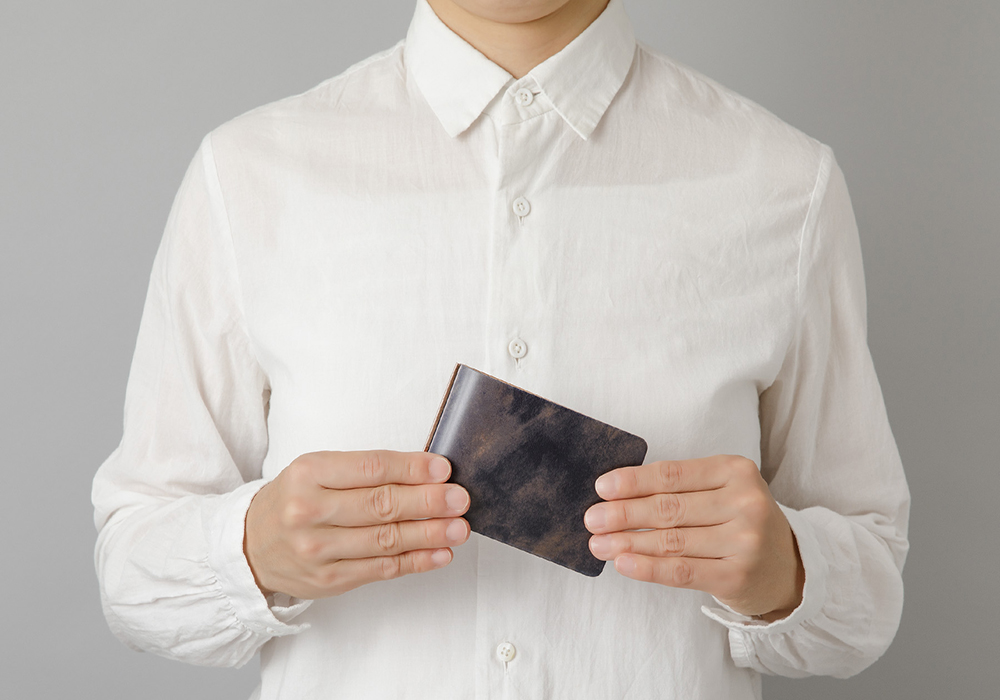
x=811 y=219
x=214 y=184
x=385 y=53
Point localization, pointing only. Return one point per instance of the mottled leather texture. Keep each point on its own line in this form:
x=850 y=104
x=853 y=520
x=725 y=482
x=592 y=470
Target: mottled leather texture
x=529 y=465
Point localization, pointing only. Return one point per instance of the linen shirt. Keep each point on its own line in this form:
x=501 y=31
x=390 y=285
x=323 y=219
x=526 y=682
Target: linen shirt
x=612 y=231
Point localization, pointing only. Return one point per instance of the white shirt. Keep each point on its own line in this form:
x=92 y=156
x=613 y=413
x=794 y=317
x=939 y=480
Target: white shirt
x=674 y=260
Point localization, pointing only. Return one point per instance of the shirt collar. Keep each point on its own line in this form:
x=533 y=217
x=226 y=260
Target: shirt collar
x=458 y=81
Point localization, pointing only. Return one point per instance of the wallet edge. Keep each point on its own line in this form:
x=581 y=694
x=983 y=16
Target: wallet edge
x=444 y=401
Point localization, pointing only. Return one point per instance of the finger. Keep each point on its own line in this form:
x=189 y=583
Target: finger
x=352 y=470
x=677 y=476
x=665 y=510
x=710 y=542
x=386 y=539
x=393 y=503
x=347 y=574
x=679 y=572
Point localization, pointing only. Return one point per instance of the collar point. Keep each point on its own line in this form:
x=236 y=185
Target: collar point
x=454 y=128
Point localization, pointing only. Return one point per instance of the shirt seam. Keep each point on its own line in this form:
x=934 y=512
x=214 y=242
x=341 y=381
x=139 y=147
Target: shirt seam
x=351 y=70
x=809 y=225
x=211 y=171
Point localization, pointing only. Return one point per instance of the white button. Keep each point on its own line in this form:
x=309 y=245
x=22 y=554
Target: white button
x=517 y=348
x=506 y=651
x=524 y=97
x=522 y=207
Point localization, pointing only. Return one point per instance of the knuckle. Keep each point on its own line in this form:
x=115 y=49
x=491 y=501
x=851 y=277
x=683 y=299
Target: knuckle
x=374 y=467
x=299 y=472
x=415 y=470
x=669 y=475
x=297 y=512
x=671 y=541
x=620 y=518
x=683 y=573
x=382 y=503
x=755 y=507
x=306 y=547
x=389 y=567
x=387 y=537
x=741 y=466
x=753 y=541
x=430 y=500
x=327 y=578
x=669 y=508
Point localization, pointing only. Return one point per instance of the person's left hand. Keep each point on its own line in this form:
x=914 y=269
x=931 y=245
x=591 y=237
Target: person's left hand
x=710 y=524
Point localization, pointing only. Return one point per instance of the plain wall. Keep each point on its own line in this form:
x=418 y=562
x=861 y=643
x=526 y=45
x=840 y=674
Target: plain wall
x=103 y=103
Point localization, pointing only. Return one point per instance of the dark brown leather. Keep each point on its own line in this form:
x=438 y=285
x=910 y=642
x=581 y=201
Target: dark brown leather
x=529 y=465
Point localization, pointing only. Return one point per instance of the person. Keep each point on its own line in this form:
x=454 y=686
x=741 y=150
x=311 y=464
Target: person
x=524 y=188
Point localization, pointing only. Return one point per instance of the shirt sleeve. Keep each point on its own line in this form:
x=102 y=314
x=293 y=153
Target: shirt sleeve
x=828 y=453
x=170 y=502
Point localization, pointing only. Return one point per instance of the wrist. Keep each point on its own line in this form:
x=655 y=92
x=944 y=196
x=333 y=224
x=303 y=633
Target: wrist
x=794 y=598
x=249 y=532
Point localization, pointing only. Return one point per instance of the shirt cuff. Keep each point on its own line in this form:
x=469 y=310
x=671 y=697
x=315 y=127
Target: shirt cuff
x=224 y=531
x=743 y=628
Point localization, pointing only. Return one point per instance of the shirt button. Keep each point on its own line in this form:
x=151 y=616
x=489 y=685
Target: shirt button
x=521 y=206
x=506 y=651
x=524 y=97
x=517 y=349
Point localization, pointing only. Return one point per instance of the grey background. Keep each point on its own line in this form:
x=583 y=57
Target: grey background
x=103 y=103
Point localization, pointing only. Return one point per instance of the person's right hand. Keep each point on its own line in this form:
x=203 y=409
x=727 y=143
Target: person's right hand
x=333 y=521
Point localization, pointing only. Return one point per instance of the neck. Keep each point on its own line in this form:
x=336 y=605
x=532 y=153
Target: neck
x=519 y=41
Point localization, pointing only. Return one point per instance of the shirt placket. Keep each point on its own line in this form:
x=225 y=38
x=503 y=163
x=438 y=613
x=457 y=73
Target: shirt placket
x=514 y=342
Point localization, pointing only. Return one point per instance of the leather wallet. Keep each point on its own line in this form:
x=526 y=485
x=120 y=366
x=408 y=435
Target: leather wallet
x=528 y=464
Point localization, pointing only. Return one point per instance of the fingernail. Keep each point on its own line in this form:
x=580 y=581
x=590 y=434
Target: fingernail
x=607 y=485
x=625 y=565
x=439 y=469
x=457 y=499
x=600 y=545
x=595 y=519
x=456 y=531
x=441 y=557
